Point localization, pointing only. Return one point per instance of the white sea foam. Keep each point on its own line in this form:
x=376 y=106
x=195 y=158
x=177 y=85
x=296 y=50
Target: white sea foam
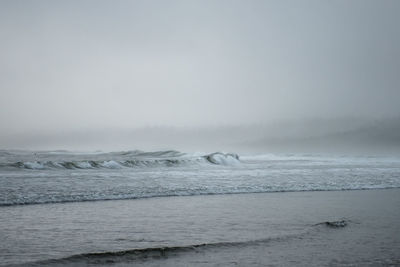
x=84 y=165
x=33 y=165
x=111 y=164
x=138 y=174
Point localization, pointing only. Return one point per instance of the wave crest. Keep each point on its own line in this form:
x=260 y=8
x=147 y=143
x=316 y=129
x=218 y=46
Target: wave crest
x=223 y=158
x=140 y=254
x=116 y=160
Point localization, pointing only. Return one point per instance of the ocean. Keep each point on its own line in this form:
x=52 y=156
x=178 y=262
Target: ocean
x=63 y=208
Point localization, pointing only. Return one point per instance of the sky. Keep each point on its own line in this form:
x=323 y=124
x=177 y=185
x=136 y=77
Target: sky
x=70 y=65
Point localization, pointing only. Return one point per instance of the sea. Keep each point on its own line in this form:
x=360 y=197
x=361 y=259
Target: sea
x=170 y=208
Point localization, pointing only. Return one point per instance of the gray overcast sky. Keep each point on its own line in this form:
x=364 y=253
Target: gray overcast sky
x=125 y=64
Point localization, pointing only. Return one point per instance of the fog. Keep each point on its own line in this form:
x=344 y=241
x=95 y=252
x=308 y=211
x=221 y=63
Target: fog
x=198 y=74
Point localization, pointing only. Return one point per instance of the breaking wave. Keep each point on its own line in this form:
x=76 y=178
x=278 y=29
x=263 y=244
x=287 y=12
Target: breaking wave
x=28 y=177
x=222 y=158
x=116 y=160
x=141 y=254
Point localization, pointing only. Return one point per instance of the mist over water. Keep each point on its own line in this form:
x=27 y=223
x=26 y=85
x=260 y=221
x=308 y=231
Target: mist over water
x=323 y=136
x=150 y=75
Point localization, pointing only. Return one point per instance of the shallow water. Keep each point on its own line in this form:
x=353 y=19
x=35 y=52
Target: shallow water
x=245 y=229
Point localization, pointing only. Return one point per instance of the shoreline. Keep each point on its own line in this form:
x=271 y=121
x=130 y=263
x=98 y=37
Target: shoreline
x=194 y=195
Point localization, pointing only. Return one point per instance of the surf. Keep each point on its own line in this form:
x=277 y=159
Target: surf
x=114 y=160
